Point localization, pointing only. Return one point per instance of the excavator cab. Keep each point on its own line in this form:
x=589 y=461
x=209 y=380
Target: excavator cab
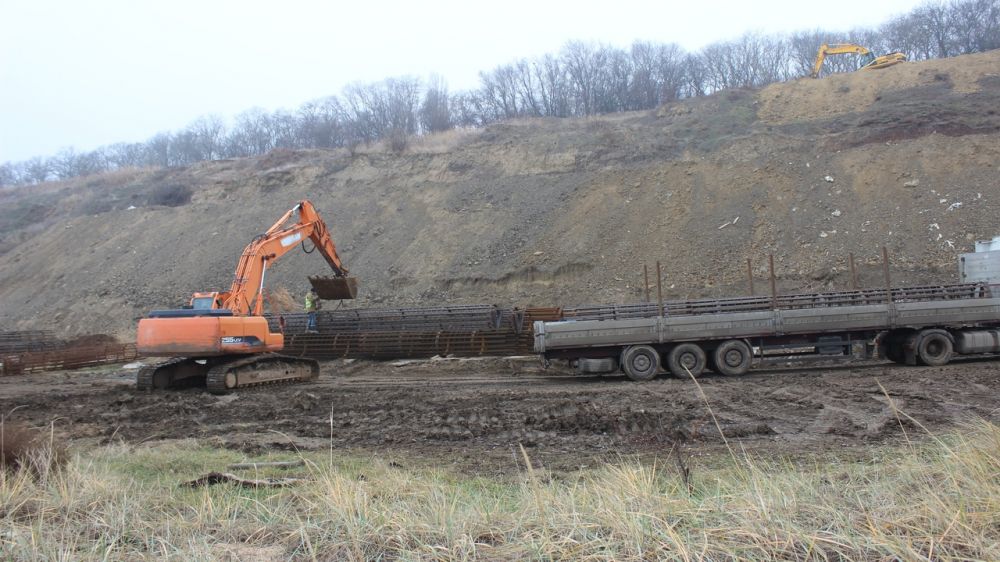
x=207 y=301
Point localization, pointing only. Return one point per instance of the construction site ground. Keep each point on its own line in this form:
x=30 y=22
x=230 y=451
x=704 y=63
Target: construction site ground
x=548 y=213
x=471 y=414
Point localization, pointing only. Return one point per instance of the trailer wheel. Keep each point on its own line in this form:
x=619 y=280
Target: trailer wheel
x=686 y=357
x=640 y=362
x=732 y=357
x=935 y=348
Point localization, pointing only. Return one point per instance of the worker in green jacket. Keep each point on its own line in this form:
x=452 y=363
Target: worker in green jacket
x=312 y=305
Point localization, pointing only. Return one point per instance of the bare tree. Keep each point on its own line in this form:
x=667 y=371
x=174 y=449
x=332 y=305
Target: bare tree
x=8 y=174
x=435 y=111
x=251 y=135
x=614 y=80
x=158 y=150
x=37 y=169
x=399 y=111
x=469 y=109
x=553 y=86
x=285 y=131
x=579 y=61
x=209 y=132
x=63 y=164
x=695 y=76
x=321 y=123
x=657 y=74
x=974 y=26
x=361 y=125
x=498 y=90
x=125 y=155
x=383 y=110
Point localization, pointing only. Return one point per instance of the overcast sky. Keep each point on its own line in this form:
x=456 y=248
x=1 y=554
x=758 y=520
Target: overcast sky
x=86 y=73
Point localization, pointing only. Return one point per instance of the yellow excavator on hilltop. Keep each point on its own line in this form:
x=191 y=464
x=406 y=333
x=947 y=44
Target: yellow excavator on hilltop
x=868 y=60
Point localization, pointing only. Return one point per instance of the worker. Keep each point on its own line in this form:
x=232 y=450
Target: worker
x=312 y=305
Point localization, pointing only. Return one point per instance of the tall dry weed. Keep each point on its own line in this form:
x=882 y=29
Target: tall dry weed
x=23 y=448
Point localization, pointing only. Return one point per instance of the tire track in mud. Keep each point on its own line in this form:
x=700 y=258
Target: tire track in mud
x=481 y=410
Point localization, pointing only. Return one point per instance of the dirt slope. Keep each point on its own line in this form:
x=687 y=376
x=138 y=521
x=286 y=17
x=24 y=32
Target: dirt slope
x=550 y=211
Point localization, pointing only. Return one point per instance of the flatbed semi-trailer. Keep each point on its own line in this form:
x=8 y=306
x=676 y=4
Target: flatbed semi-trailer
x=914 y=325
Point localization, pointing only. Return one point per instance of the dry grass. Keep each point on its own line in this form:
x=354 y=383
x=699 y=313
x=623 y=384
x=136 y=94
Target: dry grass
x=434 y=143
x=31 y=451
x=935 y=501
x=442 y=142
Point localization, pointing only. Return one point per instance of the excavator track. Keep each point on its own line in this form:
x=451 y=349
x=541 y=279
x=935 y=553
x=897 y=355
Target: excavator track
x=259 y=370
x=174 y=373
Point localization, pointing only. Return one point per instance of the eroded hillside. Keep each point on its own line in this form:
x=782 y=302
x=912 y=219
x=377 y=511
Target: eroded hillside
x=549 y=211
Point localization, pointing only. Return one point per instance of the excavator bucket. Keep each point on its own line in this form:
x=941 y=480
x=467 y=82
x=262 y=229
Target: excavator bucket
x=335 y=288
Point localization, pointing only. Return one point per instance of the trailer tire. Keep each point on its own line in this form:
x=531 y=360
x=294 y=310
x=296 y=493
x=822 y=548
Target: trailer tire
x=732 y=358
x=685 y=358
x=640 y=362
x=935 y=348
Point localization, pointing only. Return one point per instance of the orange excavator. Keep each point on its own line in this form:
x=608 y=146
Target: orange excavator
x=222 y=340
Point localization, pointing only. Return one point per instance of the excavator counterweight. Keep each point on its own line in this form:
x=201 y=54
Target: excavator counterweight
x=222 y=340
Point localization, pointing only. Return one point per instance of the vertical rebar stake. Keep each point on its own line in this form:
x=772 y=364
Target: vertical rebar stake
x=750 y=276
x=659 y=287
x=645 y=277
x=774 y=288
x=885 y=271
x=854 y=272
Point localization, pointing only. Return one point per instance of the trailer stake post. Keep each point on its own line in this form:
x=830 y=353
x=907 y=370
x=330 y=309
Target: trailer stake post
x=645 y=278
x=750 y=276
x=854 y=272
x=659 y=287
x=774 y=288
x=885 y=271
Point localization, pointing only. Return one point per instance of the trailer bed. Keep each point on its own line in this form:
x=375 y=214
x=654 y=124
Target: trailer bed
x=911 y=325
x=967 y=312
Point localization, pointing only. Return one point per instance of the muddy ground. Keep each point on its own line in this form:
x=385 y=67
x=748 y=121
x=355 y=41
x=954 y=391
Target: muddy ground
x=472 y=414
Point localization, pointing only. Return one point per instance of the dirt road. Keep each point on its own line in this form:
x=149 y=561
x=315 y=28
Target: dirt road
x=473 y=413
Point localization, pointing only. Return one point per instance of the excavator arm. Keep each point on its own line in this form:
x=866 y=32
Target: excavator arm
x=245 y=294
